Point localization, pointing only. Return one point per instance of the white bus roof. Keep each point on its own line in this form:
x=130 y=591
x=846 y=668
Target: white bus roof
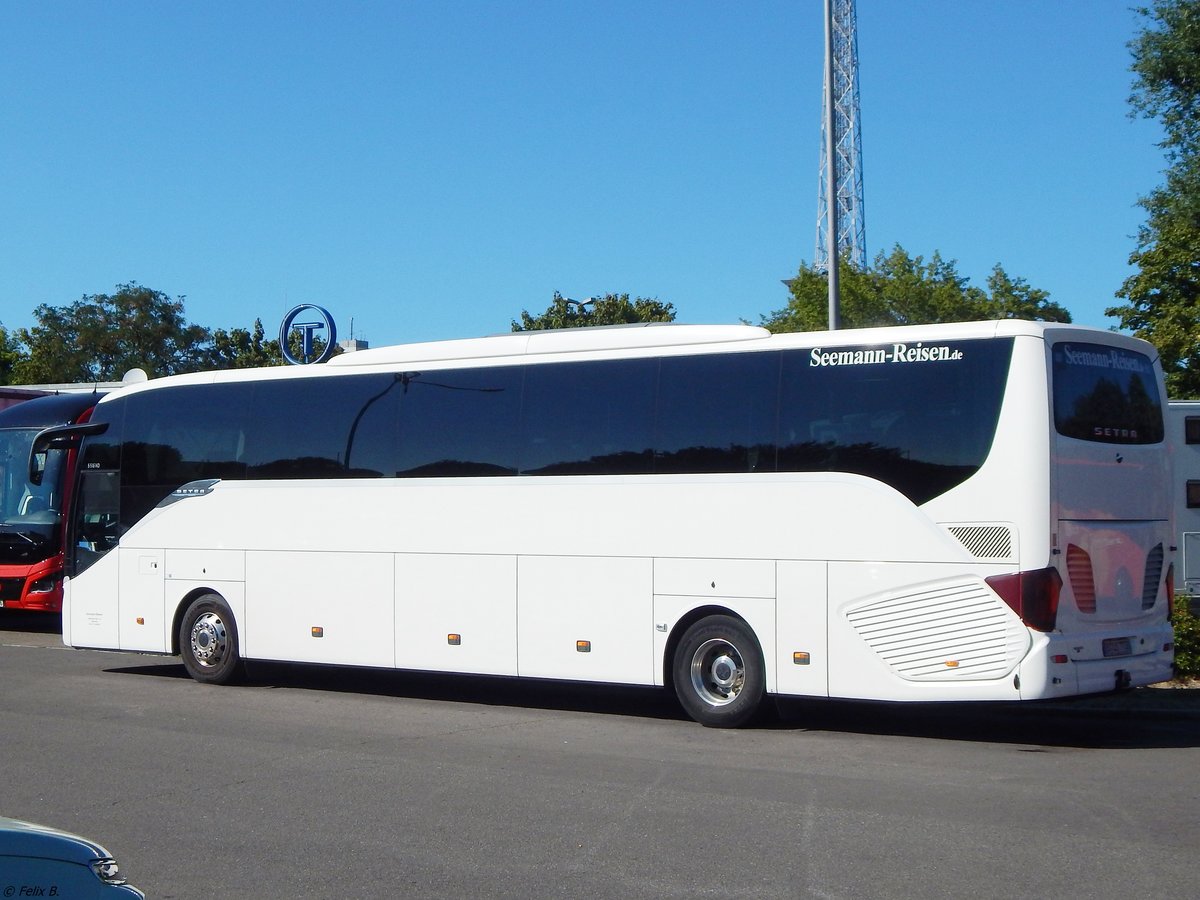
x=563 y=340
x=639 y=339
x=670 y=335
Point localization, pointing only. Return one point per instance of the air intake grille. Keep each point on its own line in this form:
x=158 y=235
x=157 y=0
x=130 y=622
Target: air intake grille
x=948 y=632
x=1154 y=568
x=985 y=541
x=1083 y=584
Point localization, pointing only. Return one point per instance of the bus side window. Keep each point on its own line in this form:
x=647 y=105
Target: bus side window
x=1191 y=429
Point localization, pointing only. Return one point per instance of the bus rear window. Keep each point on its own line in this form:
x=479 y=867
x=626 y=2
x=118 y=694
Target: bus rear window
x=1106 y=394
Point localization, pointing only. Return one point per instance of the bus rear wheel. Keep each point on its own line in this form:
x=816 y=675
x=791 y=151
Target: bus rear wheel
x=719 y=673
x=208 y=641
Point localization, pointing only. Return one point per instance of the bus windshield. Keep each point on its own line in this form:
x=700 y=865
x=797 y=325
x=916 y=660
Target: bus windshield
x=29 y=517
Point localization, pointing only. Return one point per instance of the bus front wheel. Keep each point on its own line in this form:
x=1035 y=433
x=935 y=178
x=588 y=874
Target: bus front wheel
x=718 y=672
x=208 y=641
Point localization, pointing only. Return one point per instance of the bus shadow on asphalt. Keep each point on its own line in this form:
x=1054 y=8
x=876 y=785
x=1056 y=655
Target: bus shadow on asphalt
x=1114 y=722
x=1096 y=723
x=526 y=693
x=18 y=620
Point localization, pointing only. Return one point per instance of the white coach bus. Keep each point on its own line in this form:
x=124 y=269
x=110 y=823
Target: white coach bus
x=976 y=511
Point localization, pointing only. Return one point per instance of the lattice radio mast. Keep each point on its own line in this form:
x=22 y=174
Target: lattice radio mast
x=844 y=142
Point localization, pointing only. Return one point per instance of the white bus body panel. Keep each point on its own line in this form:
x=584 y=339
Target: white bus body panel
x=802 y=626
x=915 y=627
x=618 y=564
x=604 y=601
x=141 y=594
x=320 y=607
x=444 y=594
x=90 y=616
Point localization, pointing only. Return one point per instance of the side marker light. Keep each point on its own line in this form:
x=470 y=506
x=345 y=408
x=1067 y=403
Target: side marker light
x=454 y=640
x=801 y=658
x=583 y=646
x=318 y=631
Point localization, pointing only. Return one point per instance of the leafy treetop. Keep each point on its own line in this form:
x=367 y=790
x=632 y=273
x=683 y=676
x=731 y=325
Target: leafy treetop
x=1163 y=295
x=611 y=309
x=102 y=336
x=899 y=289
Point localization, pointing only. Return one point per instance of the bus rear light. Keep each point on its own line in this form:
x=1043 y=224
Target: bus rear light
x=1060 y=658
x=1170 y=588
x=1083 y=584
x=1032 y=595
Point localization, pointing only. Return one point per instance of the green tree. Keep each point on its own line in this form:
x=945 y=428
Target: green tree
x=611 y=309
x=240 y=348
x=1187 y=639
x=102 y=336
x=899 y=289
x=1163 y=295
x=10 y=354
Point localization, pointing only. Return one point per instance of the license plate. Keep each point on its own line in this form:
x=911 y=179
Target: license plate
x=1117 y=647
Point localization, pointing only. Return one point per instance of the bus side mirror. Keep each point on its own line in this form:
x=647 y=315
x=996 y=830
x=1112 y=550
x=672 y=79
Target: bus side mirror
x=37 y=467
x=59 y=437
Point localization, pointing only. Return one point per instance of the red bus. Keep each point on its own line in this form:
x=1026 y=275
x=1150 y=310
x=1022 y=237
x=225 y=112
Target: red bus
x=31 y=532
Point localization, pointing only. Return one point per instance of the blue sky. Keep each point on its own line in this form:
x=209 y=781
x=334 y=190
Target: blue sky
x=430 y=169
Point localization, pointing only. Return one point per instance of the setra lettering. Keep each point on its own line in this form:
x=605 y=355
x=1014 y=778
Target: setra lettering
x=1125 y=434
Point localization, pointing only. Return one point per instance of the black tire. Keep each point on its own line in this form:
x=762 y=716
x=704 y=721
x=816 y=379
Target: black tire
x=208 y=642
x=719 y=674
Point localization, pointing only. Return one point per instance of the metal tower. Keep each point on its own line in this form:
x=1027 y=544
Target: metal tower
x=846 y=143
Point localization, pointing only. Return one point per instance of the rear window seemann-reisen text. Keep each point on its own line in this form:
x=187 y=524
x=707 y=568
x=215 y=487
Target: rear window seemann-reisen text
x=1105 y=394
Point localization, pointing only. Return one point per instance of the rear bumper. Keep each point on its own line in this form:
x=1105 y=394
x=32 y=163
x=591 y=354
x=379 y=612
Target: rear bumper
x=1041 y=677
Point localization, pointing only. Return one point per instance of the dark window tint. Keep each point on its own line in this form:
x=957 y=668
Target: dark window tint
x=717 y=413
x=589 y=418
x=461 y=422
x=1105 y=394
x=103 y=451
x=1191 y=429
x=179 y=434
x=1193 y=494
x=97 y=523
x=920 y=418
x=331 y=427
x=176 y=435
x=96 y=507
